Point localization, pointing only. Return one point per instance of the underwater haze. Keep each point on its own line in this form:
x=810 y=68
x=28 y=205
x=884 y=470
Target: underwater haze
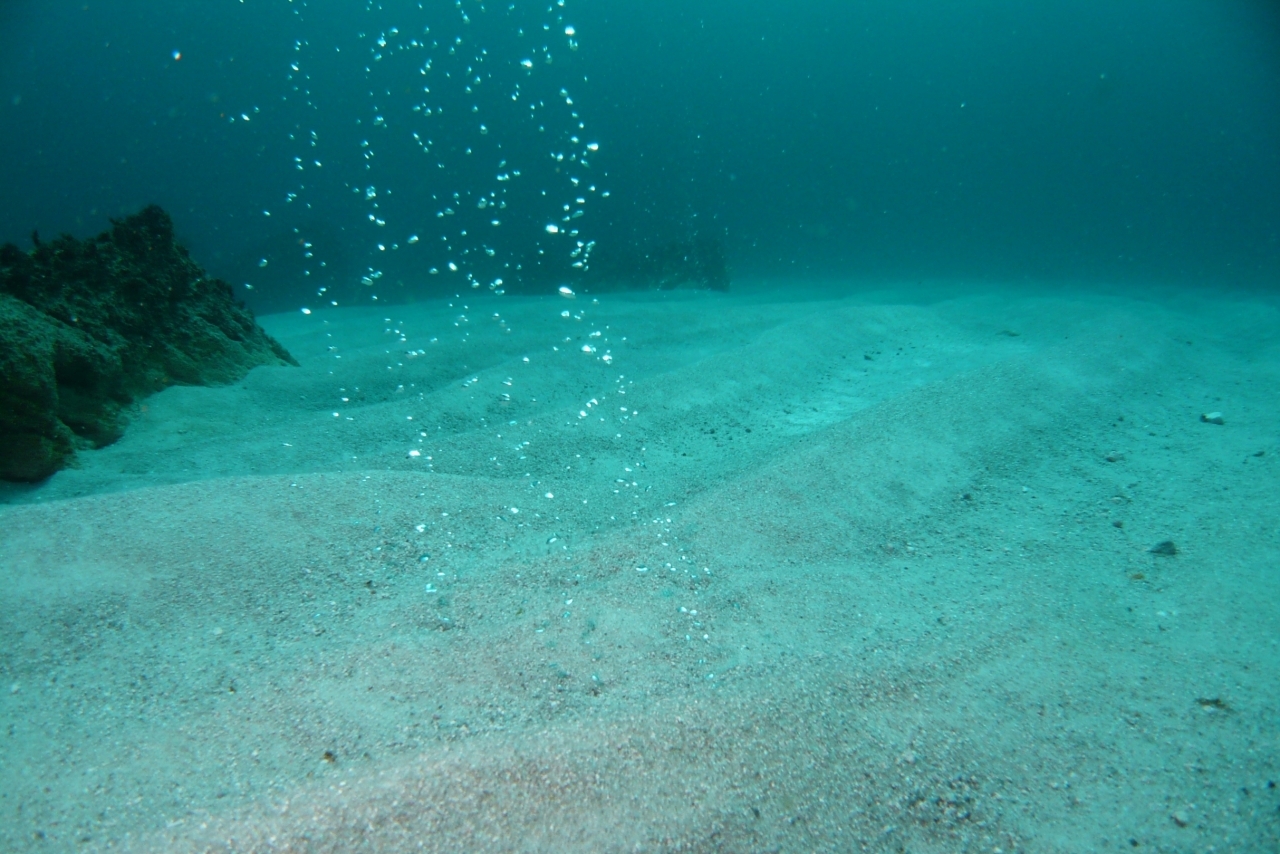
x=1098 y=141
x=674 y=426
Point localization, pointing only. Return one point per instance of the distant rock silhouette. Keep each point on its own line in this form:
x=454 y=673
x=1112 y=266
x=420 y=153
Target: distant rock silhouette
x=88 y=327
x=628 y=265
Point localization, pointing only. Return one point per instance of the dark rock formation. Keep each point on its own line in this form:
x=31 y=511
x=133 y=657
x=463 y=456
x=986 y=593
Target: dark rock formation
x=88 y=327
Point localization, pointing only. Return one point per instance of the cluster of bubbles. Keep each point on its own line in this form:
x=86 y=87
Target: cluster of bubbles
x=453 y=131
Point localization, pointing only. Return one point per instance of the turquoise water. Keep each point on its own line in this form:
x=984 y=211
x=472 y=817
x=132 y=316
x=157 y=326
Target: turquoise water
x=1062 y=142
x=553 y=542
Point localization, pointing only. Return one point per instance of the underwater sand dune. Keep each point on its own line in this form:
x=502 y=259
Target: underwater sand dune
x=859 y=575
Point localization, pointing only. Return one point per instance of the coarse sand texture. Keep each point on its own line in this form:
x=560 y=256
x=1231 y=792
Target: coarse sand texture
x=796 y=569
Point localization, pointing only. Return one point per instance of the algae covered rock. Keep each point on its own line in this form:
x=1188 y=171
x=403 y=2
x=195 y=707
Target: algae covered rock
x=88 y=327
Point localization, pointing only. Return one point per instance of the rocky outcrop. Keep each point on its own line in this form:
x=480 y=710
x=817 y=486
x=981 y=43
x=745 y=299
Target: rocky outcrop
x=89 y=327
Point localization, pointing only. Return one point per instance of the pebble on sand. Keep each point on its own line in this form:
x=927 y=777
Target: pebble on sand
x=1164 y=548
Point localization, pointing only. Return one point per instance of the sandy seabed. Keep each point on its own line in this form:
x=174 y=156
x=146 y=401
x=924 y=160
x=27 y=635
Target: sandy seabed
x=820 y=569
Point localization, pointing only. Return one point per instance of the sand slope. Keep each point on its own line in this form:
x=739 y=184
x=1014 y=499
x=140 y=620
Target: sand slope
x=846 y=573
